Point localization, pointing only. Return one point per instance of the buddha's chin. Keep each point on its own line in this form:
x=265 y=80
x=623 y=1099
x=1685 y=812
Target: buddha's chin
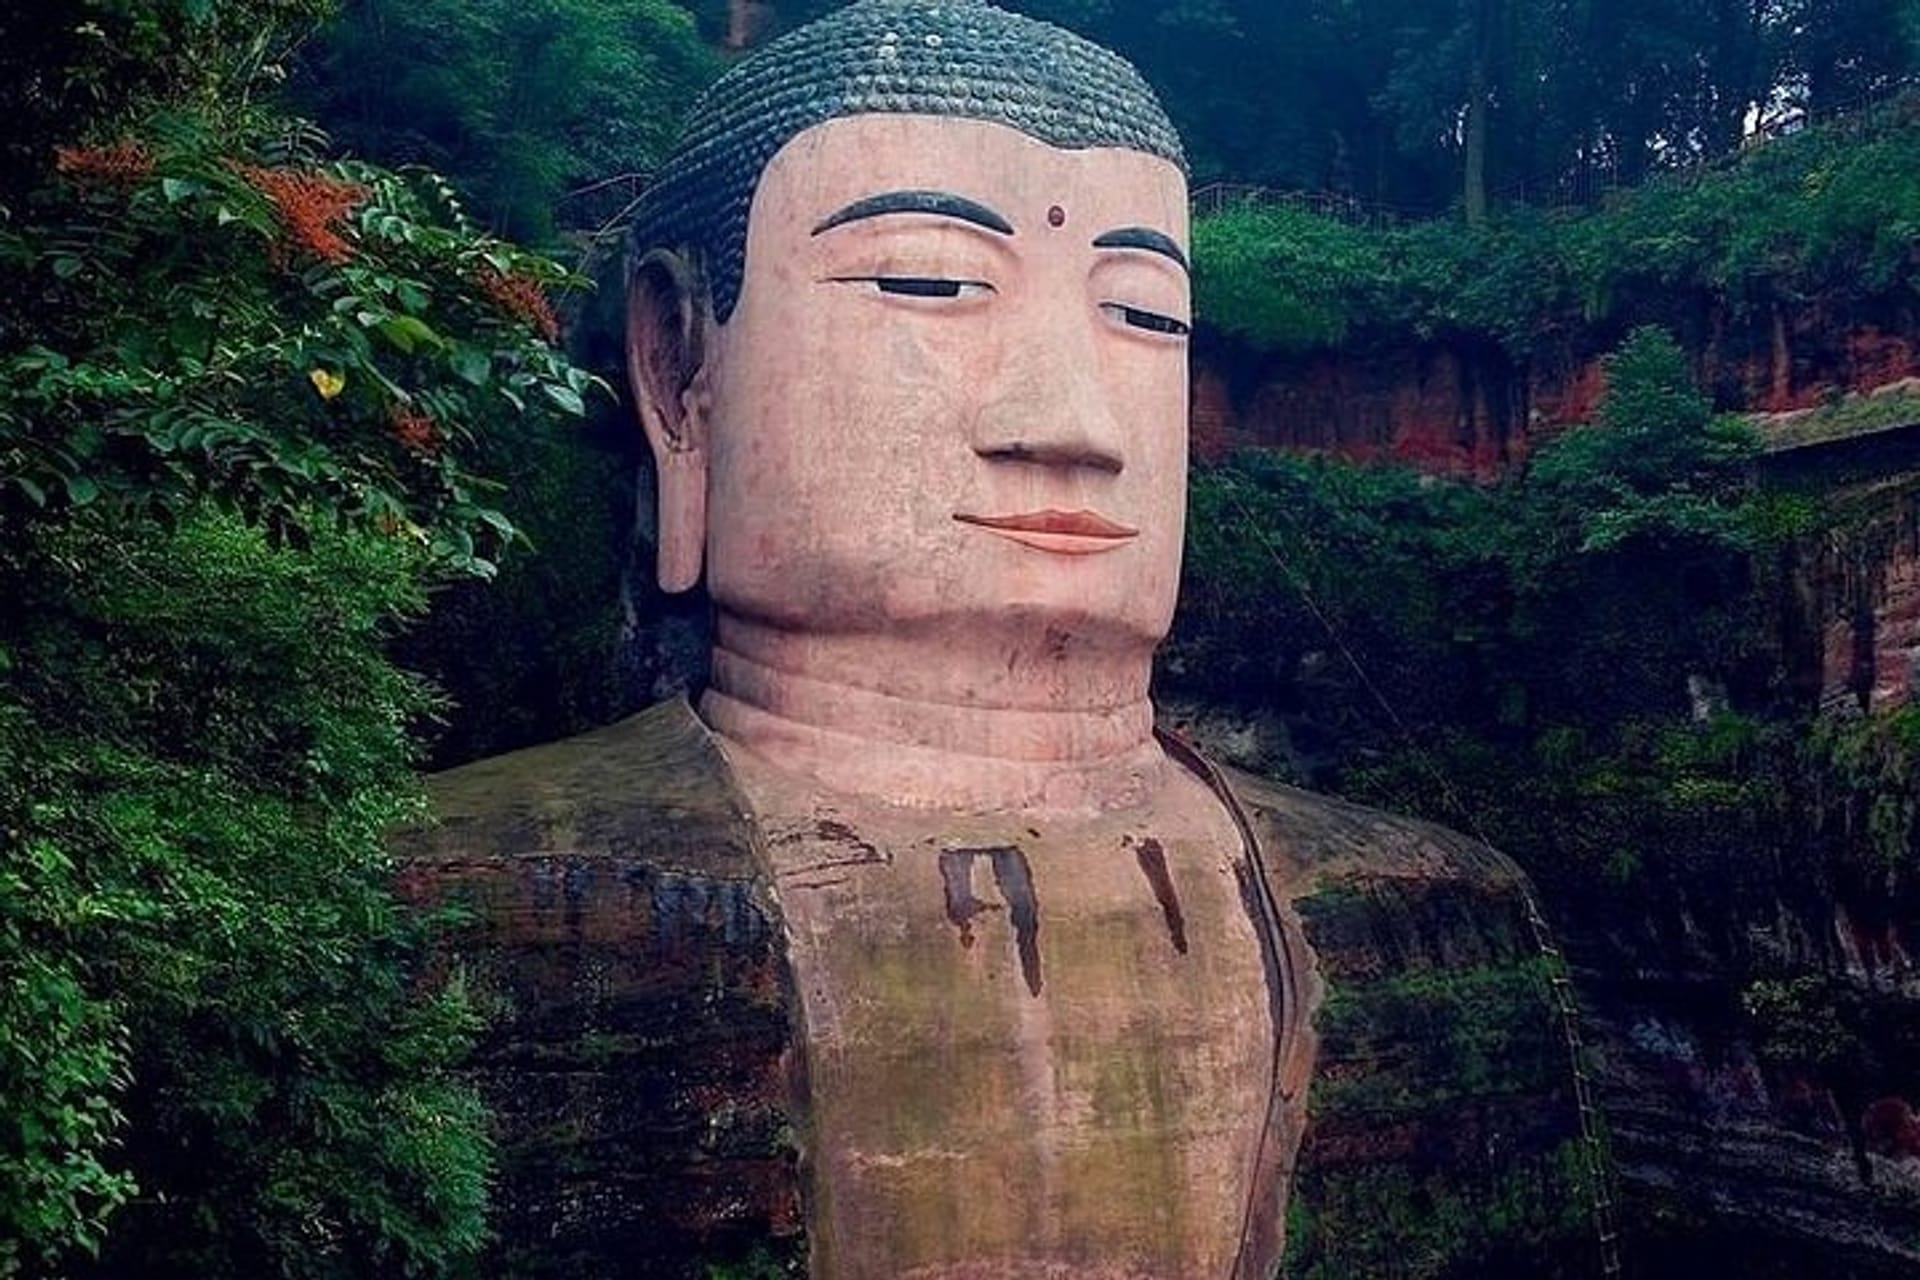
x=1087 y=610
x=1069 y=623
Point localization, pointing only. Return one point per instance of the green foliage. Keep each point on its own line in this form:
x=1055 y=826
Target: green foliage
x=268 y=332
x=201 y=748
x=517 y=102
x=1382 y=1218
x=1378 y=100
x=78 y=68
x=1866 y=775
x=1578 y=664
x=1485 y=1031
x=243 y=391
x=1828 y=213
x=761 y=1264
x=1283 y=277
x=1847 y=418
x=1657 y=465
x=1513 y=656
x=537 y=653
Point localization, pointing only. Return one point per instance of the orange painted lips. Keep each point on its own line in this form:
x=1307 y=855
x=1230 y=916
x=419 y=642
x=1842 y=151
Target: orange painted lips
x=1073 y=533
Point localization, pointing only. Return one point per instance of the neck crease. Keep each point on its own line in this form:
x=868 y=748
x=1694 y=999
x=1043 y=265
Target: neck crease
x=924 y=752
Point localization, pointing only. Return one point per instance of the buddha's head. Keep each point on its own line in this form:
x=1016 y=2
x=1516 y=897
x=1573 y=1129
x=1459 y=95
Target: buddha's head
x=907 y=330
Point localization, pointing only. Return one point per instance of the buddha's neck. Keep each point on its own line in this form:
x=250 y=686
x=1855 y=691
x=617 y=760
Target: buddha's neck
x=945 y=722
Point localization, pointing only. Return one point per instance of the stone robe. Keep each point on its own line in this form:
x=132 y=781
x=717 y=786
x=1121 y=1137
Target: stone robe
x=650 y=1065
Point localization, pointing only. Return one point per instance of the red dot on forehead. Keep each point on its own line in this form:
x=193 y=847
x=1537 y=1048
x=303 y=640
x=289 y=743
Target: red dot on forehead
x=1056 y=217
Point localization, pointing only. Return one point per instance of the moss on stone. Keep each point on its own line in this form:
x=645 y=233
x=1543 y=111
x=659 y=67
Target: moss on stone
x=1849 y=417
x=1442 y=1137
x=1432 y=1037
x=1386 y=1220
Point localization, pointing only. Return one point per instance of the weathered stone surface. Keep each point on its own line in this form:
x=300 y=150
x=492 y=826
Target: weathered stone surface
x=1850 y=621
x=1727 y=1169
x=646 y=1080
x=1453 y=412
x=1035 y=1043
x=639 y=1070
x=1442 y=1134
x=1471 y=408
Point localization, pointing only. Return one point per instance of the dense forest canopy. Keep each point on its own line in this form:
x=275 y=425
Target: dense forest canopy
x=1403 y=105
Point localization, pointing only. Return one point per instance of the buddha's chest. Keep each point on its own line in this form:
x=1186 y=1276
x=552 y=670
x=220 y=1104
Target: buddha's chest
x=1030 y=1052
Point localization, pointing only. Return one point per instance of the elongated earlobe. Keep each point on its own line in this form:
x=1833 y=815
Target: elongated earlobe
x=666 y=331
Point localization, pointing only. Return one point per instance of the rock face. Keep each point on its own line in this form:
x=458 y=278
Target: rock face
x=649 y=1069
x=1728 y=1167
x=1858 y=585
x=1469 y=407
x=1446 y=410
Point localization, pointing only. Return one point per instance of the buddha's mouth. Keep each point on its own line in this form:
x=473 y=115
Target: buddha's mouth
x=1073 y=533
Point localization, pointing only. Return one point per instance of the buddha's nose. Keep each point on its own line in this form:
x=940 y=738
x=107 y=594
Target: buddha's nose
x=1050 y=406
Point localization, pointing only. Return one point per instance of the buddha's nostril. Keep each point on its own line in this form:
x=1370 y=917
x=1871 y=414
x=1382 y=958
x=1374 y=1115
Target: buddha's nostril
x=1050 y=453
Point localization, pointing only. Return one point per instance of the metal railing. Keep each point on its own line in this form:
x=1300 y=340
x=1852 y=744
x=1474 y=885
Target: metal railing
x=1217 y=197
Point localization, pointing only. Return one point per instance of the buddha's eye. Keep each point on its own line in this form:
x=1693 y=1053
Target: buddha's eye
x=1151 y=321
x=921 y=286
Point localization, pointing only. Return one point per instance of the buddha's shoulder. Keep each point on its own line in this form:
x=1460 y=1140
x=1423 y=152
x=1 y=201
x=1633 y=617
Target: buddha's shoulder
x=1313 y=842
x=652 y=787
x=1426 y=978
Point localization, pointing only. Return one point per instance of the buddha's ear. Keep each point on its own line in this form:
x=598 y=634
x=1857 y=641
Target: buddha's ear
x=667 y=315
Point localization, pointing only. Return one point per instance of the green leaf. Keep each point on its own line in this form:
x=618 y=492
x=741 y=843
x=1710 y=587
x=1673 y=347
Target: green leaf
x=471 y=364
x=178 y=189
x=82 y=490
x=566 y=397
x=409 y=332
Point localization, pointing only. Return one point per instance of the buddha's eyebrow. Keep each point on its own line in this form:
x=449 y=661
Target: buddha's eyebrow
x=1142 y=238
x=940 y=204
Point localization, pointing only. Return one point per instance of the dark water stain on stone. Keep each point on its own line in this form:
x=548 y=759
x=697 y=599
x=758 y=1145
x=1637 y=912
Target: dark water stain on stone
x=1014 y=877
x=1153 y=862
x=1267 y=929
x=831 y=832
x=859 y=851
x=956 y=874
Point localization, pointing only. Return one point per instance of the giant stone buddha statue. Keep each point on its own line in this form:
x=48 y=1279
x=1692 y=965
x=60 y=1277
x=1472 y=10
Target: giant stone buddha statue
x=911 y=951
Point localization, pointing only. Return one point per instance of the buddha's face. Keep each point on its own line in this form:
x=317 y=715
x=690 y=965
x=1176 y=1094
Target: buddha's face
x=954 y=388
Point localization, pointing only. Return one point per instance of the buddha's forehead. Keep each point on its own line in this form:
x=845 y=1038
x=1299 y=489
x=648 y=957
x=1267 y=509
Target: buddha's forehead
x=838 y=162
x=962 y=59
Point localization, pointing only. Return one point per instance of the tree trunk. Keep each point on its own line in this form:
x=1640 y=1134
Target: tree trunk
x=1780 y=397
x=1476 y=142
x=746 y=20
x=1486 y=17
